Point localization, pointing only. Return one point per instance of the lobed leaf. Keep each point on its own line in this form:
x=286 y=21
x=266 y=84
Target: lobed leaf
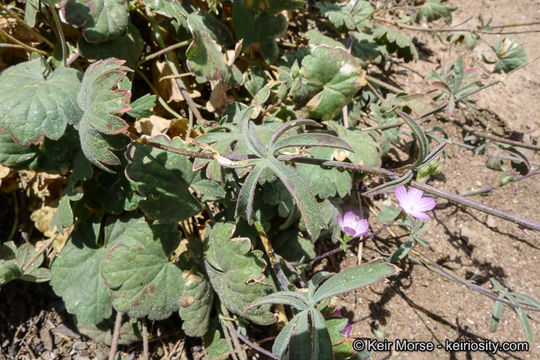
x=101 y=104
x=142 y=279
x=433 y=10
x=35 y=105
x=163 y=178
x=236 y=272
x=339 y=76
x=102 y=20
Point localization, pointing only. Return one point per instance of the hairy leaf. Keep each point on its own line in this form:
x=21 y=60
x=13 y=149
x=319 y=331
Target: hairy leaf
x=76 y=274
x=396 y=42
x=290 y=298
x=366 y=147
x=259 y=29
x=141 y=278
x=204 y=57
x=353 y=278
x=236 y=272
x=354 y=15
x=130 y=330
x=142 y=107
x=35 y=104
x=101 y=104
x=128 y=47
x=102 y=20
x=433 y=10
x=337 y=74
x=325 y=182
x=163 y=178
x=300 y=346
x=281 y=342
x=322 y=345
x=510 y=53
x=195 y=303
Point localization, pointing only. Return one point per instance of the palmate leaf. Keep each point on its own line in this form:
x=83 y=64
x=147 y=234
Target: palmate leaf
x=102 y=20
x=128 y=47
x=337 y=74
x=366 y=147
x=76 y=273
x=396 y=42
x=204 y=57
x=354 y=15
x=142 y=280
x=101 y=104
x=35 y=105
x=258 y=28
x=236 y=272
x=163 y=178
x=433 y=10
x=510 y=53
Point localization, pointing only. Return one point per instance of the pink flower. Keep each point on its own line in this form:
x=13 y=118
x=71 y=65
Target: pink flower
x=353 y=225
x=413 y=203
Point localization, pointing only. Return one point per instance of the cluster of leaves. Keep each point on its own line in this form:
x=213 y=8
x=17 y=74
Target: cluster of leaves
x=152 y=231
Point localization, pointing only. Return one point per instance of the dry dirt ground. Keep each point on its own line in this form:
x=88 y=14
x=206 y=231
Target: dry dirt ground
x=421 y=305
x=418 y=305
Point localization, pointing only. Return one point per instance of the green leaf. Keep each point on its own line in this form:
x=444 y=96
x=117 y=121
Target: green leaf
x=195 y=303
x=433 y=10
x=300 y=347
x=82 y=171
x=17 y=156
x=163 y=178
x=101 y=105
x=9 y=271
x=308 y=206
x=510 y=53
x=342 y=347
x=142 y=279
x=236 y=272
x=353 y=278
x=354 y=15
x=76 y=274
x=273 y=6
x=402 y=251
x=388 y=213
x=102 y=20
x=205 y=22
x=128 y=47
x=214 y=344
x=366 y=48
x=292 y=246
x=244 y=202
x=497 y=313
x=325 y=182
x=296 y=300
x=337 y=74
x=142 y=107
x=421 y=138
x=311 y=140
x=30 y=12
x=204 y=57
x=322 y=345
x=260 y=29
x=366 y=148
x=281 y=342
x=396 y=42
x=35 y=104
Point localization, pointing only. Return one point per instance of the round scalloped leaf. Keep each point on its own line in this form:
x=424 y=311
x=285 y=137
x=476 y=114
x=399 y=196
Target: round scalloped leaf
x=34 y=105
x=76 y=276
x=101 y=104
x=16 y=156
x=196 y=303
x=273 y=6
x=142 y=280
x=163 y=178
x=128 y=47
x=102 y=20
x=340 y=76
x=236 y=272
x=130 y=331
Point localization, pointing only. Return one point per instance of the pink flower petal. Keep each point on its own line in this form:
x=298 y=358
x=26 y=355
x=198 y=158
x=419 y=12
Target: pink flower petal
x=415 y=194
x=340 y=221
x=425 y=204
x=420 y=215
x=349 y=218
x=401 y=193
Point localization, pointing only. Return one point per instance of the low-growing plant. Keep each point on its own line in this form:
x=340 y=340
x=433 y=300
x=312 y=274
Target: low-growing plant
x=200 y=149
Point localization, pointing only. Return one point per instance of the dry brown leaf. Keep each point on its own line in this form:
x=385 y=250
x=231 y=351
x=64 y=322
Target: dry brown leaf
x=163 y=80
x=42 y=220
x=152 y=126
x=4 y=172
x=218 y=99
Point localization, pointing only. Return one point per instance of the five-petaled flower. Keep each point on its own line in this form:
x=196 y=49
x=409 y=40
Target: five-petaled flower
x=353 y=225
x=413 y=203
